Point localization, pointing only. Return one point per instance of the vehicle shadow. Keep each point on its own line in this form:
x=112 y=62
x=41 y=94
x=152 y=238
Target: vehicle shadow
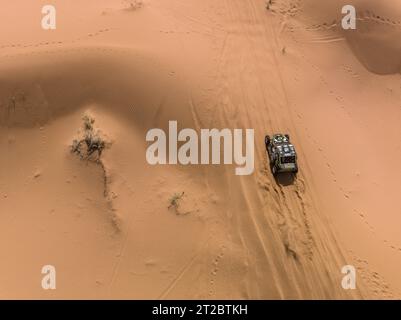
x=285 y=178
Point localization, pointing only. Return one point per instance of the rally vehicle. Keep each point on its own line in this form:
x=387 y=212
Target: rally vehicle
x=281 y=152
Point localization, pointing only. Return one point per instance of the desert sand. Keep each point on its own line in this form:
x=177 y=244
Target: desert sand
x=108 y=227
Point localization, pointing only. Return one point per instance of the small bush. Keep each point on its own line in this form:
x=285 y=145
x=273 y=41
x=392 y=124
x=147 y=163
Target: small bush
x=133 y=5
x=91 y=145
x=175 y=199
x=180 y=209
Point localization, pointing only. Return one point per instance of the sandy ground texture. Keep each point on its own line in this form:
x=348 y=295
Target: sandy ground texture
x=108 y=227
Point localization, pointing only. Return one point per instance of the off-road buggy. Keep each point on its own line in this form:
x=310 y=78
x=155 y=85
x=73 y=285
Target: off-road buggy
x=281 y=152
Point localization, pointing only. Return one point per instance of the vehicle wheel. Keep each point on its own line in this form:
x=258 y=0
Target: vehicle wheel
x=267 y=141
x=274 y=170
x=287 y=136
x=271 y=163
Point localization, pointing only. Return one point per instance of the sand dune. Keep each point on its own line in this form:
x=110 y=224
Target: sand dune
x=109 y=228
x=372 y=41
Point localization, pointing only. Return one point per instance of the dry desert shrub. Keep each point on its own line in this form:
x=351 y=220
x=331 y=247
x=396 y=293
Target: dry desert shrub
x=91 y=145
x=175 y=203
x=180 y=208
x=133 y=5
x=175 y=200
